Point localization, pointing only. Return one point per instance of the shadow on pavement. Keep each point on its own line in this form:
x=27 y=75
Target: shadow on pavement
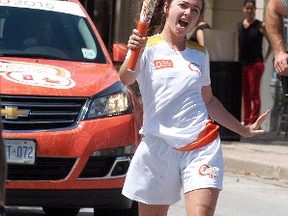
x=35 y=211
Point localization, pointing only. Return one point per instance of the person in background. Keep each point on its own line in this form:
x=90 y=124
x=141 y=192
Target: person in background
x=181 y=145
x=250 y=39
x=3 y=169
x=198 y=32
x=43 y=35
x=275 y=11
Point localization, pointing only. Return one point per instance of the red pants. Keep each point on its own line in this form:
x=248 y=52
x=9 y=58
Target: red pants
x=251 y=80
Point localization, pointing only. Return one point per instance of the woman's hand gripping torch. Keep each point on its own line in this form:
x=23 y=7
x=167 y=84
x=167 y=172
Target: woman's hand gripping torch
x=143 y=26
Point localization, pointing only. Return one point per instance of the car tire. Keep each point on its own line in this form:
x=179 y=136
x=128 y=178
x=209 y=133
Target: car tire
x=133 y=211
x=58 y=211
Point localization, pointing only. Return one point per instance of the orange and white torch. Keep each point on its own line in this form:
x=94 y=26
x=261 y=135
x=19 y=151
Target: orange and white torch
x=143 y=26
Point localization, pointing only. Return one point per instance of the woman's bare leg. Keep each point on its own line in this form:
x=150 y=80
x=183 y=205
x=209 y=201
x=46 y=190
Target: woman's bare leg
x=201 y=202
x=152 y=210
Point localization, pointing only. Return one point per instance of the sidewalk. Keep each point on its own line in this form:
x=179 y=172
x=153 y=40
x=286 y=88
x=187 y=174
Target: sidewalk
x=264 y=156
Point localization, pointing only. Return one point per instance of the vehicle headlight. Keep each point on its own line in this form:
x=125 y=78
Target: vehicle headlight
x=110 y=105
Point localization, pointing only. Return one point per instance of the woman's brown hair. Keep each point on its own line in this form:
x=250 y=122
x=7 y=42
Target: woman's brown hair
x=159 y=17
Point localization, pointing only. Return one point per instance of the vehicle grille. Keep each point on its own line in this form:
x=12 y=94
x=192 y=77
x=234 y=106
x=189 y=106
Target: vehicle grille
x=43 y=113
x=43 y=169
x=97 y=167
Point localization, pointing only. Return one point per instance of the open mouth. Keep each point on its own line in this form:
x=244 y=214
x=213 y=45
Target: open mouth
x=183 y=23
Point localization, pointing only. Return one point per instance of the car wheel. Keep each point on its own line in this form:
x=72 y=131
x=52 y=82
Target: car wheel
x=133 y=211
x=58 y=211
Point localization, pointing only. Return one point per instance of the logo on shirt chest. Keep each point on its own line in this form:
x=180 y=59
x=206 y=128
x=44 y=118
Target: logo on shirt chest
x=168 y=63
x=163 y=63
x=195 y=68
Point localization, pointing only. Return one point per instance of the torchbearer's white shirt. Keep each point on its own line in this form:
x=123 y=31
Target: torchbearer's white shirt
x=170 y=83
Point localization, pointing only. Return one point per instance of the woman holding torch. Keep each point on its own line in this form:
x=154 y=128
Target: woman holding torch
x=181 y=145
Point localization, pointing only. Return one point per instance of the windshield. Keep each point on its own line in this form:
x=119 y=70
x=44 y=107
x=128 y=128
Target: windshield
x=47 y=34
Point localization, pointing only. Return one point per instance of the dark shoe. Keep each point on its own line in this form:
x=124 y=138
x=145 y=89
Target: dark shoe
x=2 y=211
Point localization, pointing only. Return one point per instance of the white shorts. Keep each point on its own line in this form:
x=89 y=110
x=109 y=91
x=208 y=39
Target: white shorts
x=158 y=172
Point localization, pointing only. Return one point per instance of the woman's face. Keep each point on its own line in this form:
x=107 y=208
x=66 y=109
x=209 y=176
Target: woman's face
x=182 y=15
x=249 y=10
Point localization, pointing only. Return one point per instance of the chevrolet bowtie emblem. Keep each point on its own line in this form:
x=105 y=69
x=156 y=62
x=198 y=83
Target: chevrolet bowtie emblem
x=11 y=112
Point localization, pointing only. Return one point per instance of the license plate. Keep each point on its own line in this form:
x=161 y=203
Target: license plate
x=20 y=151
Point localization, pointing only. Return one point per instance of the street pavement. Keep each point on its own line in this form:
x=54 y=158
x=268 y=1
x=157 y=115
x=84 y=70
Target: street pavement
x=264 y=156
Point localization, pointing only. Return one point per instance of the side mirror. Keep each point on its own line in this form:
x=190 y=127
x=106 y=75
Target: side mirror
x=119 y=52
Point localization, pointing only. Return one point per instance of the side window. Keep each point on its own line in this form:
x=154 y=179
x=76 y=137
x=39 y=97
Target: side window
x=89 y=51
x=88 y=39
x=2 y=22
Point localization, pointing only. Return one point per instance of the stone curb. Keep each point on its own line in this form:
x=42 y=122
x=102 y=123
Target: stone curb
x=264 y=159
x=256 y=168
x=260 y=169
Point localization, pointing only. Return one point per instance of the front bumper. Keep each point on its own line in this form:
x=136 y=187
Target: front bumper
x=86 y=182
x=64 y=161
x=105 y=198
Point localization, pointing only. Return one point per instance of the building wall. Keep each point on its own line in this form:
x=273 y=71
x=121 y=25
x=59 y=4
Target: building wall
x=126 y=12
x=226 y=14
